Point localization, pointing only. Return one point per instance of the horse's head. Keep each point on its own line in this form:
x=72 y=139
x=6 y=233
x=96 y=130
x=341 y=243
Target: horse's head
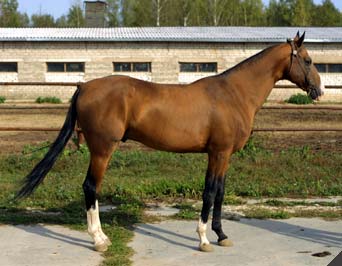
x=302 y=71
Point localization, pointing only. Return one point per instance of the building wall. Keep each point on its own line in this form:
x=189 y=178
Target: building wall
x=164 y=58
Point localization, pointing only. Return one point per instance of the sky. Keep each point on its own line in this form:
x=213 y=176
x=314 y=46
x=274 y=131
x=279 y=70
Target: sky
x=58 y=8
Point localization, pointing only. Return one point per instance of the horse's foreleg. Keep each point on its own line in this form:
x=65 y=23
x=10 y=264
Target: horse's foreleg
x=91 y=187
x=216 y=223
x=213 y=192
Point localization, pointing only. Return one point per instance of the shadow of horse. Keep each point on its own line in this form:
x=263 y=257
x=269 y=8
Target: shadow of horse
x=158 y=233
x=49 y=231
x=281 y=227
x=286 y=228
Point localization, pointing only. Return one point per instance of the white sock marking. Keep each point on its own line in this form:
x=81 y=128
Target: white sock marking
x=201 y=230
x=94 y=226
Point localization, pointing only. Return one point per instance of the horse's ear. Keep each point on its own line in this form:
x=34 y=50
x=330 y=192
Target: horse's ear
x=296 y=38
x=299 y=40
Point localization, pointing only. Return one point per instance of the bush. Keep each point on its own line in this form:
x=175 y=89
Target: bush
x=299 y=99
x=2 y=99
x=48 y=100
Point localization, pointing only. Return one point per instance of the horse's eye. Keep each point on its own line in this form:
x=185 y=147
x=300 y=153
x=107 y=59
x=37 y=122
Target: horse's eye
x=308 y=61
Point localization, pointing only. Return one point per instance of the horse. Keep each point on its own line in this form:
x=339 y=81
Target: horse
x=213 y=115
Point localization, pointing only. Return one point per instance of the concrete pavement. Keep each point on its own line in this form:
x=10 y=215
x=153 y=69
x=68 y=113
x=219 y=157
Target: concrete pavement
x=46 y=245
x=256 y=242
x=173 y=243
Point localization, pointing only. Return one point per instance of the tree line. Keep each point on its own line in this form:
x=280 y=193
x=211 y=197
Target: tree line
x=139 y=13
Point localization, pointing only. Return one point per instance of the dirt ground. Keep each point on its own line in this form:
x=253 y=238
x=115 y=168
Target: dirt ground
x=14 y=141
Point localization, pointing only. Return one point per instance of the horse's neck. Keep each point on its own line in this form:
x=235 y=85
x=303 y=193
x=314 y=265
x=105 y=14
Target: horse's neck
x=257 y=77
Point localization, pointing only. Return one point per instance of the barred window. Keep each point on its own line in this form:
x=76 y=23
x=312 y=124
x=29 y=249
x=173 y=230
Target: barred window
x=65 y=67
x=8 y=67
x=198 y=67
x=329 y=68
x=132 y=67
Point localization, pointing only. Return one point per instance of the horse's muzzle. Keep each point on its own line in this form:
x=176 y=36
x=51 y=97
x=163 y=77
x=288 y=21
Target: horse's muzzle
x=316 y=92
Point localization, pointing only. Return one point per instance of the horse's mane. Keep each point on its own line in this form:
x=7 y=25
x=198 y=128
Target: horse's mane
x=248 y=61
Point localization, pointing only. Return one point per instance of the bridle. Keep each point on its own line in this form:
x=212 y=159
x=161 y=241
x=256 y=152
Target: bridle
x=294 y=54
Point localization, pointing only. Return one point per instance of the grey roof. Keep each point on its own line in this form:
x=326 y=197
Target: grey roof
x=171 y=34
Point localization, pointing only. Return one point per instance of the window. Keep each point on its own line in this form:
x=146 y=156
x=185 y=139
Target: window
x=65 y=67
x=8 y=67
x=329 y=68
x=132 y=67
x=198 y=67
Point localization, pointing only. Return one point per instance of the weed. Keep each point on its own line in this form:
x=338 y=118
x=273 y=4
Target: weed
x=187 y=212
x=299 y=99
x=233 y=200
x=48 y=100
x=329 y=215
x=263 y=213
x=2 y=99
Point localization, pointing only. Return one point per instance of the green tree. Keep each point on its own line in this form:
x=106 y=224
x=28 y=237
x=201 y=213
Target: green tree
x=24 y=20
x=112 y=14
x=326 y=15
x=75 y=17
x=302 y=13
x=62 y=22
x=279 y=13
x=138 y=13
x=42 y=21
x=9 y=15
x=128 y=8
x=252 y=13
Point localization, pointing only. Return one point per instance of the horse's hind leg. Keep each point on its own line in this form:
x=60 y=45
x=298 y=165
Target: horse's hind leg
x=213 y=195
x=91 y=187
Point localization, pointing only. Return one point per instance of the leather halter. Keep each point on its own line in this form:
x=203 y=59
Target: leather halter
x=294 y=53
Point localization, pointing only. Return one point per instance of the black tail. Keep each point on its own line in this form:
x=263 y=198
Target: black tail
x=33 y=179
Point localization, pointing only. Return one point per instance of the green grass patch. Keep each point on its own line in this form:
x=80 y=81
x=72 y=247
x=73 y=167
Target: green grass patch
x=299 y=98
x=327 y=215
x=263 y=213
x=280 y=203
x=48 y=100
x=2 y=99
x=234 y=200
x=186 y=212
x=135 y=176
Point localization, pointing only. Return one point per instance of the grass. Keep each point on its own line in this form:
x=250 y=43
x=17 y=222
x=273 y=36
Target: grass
x=299 y=98
x=48 y=100
x=2 y=99
x=279 y=203
x=186 y=212
x=136 y=176
x=161 y=175
x=265 y=213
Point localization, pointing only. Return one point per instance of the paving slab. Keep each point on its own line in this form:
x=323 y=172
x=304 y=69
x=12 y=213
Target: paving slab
x=256 y=242
x=46 y=245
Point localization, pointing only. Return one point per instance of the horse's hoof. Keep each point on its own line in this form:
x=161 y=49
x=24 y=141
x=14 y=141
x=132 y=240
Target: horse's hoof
x=101 y=247
x=206 y=248
x=225 y=243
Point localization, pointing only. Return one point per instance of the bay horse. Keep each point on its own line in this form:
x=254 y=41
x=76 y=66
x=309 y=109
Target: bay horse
x=213 y=115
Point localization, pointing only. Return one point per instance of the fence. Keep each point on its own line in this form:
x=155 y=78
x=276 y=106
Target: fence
x=328 y=108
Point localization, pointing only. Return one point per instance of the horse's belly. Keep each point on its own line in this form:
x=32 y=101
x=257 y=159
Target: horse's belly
x=168 y=139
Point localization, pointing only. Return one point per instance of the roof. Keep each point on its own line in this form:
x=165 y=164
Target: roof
x=171 y=34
